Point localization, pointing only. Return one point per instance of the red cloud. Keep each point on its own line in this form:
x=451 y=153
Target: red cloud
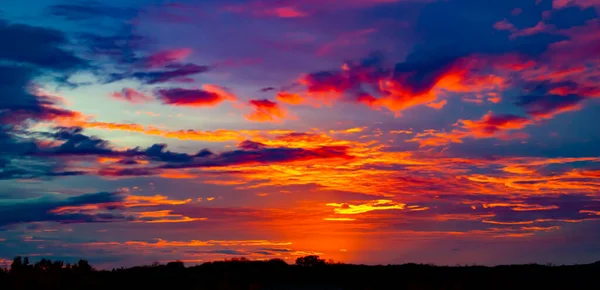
x=210 y=95
x=410 y=84
x=490 y=124
x=266 y=111
x=162 y=58
x=559 y=4
x=366 y=99
x=132 y=96
x=285 y=12
x=326 y=82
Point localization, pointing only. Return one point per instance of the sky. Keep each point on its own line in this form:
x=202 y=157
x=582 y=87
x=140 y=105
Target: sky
x=363 y=131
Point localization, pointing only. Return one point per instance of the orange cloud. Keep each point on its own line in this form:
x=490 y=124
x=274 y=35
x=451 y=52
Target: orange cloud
x=178 y=175
x=339 y=219
x=489 y=126
x=220 y=135
x=164 y=216
x=382 y=204
x=438 y=106
x=290 y=98
x=155 y=200
x=348 y=131
x=459 y=78
x=266 y=111
x=408 y=132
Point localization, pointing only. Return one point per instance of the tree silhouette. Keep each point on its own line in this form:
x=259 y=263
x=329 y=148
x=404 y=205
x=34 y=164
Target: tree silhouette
x=17 y=264
x=310 y=272
x=175 y=265
x=83 y=266
x=310 y=261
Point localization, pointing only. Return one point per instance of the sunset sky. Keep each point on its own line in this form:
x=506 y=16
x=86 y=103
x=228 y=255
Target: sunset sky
x=364 y=131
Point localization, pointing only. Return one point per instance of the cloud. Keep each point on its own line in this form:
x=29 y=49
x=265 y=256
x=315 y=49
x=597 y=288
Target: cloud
x=166 y=57
x=345 y=40
x=368 y=82
x=306 y=8
x=543 y=210
x=285 y=12
x=221 y=135
x=289 y=98
x=560 y=4
x=75 y=143
x=266 y=155
x=546 y=106
x=80 y=11
x=37 y=46
x=344 y=208
x=208 y=97
x=491 y=123
x=251 y=145
x=326 y=82
x=122 y=48
x=352 y=76
x=489 y=126
x=441 y=63
x=143 y=162
x=132 y=96
x=24 y=105
x=160 y=243
x=34 y=52
x=164 y=216
x=41 y=209
x=173 y=72
x=263 y=9
x=438 y=105
x=266 y=111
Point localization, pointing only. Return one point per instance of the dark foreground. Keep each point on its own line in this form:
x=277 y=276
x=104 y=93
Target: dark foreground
x=306 y=274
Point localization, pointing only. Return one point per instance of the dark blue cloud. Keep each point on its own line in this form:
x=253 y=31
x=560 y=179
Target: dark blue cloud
x=450 y=30
x=158 y=152
x=464 y=27
x=79 y=144
x=40 y=209
x=120 y=48
x=175 y=72
x=548 y=105
x=89 y=10
x=75 y=143
x=568 y=207
x=37 y=46
x=27 y=52
x=13 y=83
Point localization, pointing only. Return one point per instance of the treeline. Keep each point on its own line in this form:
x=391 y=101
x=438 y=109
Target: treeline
x=309 y=272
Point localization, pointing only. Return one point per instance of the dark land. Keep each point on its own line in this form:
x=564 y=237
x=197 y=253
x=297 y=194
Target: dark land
x=308 y=273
